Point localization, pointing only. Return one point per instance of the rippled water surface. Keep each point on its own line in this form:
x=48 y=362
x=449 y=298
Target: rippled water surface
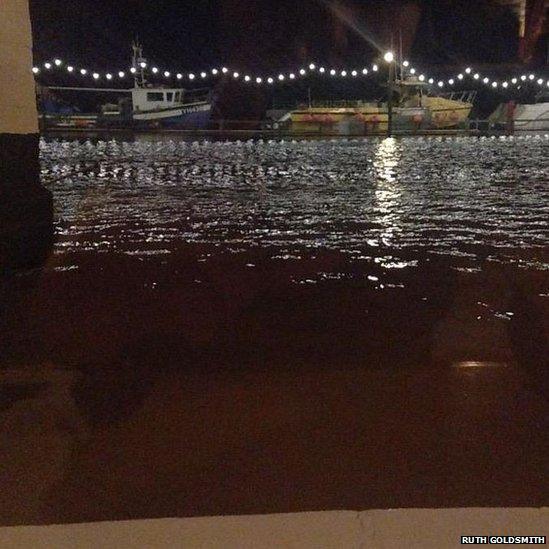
x=390 y=201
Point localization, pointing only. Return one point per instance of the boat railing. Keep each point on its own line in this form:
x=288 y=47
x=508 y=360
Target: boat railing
x=325 y=104
x=465 y=96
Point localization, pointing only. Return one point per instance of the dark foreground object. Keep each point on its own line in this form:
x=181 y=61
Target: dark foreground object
x=131 y=390
x=26 y=209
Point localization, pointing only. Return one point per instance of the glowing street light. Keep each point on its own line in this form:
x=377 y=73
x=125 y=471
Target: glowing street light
x=389 y=57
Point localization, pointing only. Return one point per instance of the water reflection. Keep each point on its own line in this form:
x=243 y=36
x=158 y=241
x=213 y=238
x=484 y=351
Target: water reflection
x=386 y=205
x=376 y=198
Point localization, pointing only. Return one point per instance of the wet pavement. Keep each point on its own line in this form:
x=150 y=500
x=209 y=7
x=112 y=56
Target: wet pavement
x=254 y=327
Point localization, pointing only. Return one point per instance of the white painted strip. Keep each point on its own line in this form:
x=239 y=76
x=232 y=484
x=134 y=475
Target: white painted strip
x=377 y=529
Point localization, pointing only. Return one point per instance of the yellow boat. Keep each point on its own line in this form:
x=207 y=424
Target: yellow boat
x=414 y=109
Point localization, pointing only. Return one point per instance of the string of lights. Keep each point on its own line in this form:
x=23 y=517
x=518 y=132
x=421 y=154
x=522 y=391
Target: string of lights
x=288 y=76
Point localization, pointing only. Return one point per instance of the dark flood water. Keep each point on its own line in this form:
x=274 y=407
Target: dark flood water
x=421 y=259
x=391 y=233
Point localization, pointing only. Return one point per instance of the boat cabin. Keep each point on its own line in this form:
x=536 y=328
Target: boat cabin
x=151 y=99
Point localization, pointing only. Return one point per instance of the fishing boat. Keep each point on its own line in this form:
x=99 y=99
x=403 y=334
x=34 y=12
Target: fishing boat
x=415 y=107
x=144 y=106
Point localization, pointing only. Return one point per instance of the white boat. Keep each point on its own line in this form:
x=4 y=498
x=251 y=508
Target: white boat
x=159 y=106
x=524 y=117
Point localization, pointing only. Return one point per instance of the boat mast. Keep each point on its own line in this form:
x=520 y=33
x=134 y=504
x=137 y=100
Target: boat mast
x=138 y=63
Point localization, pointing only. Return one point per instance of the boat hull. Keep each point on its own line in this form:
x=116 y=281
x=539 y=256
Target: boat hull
x=440 y=114
x=195 y=116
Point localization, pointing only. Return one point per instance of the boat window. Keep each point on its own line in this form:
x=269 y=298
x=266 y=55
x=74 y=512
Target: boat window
x=155 y=96
x=178 y=96
x=170 y=96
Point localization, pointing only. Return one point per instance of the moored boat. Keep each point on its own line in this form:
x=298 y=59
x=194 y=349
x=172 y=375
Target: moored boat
x=414 y=108
x=143 y=107
x=527 y=117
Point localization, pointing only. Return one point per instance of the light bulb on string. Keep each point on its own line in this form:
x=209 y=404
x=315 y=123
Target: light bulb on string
x=281 y=77
x=332 y=72
x=460 y=76
x=166 y=74
x=235 y=75
x=270 y=80
x=440 y=83
x=191 y=76
x=179 y=76
x=312 y=67
x=406 y=64
x=247 y=78
x=412 y=71
x=292 y=76
x=224 y=70
x=322 y=70
x=70 y=68
x=468 y=70
x=95 y=76
x=302 y=72
x=343 y=73
x=494 y=84
x=155 y=69
x=83 y=72
x=259 y=80
x=35 y=70
x=375 y=68
x=421 y=77
x=476 y=76
x=143 y=65
x=58 y=62
x=523 y=77
x=214 y=72
x=504 y=84
x=47 y=66
x=121 y=74
x=364 y=71
x=486 y=80
x=531 y=76
x=354 y=73
x=540 y=81
x=514 y=80
x=451 y=81
x=431 y=81
x=203 y=74
x=108 y=76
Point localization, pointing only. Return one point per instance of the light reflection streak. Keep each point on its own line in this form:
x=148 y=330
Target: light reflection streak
x=387 y=190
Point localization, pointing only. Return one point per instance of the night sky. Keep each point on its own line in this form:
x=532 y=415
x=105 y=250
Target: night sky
x=269 y=34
